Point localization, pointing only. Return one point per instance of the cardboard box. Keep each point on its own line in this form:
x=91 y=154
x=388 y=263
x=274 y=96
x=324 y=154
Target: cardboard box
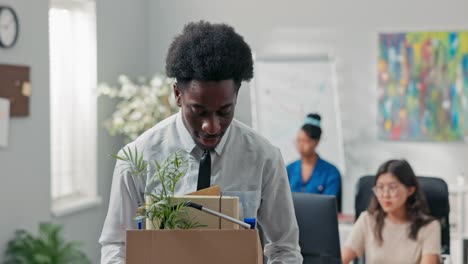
x=193 y=247
x=220 y=241
x=227 y=205
x=213 y=190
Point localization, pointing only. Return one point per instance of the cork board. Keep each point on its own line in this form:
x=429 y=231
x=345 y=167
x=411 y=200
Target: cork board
x=16 y=87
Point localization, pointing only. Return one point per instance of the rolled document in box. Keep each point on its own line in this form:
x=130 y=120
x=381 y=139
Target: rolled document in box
x=224 y=204
x=218 y=214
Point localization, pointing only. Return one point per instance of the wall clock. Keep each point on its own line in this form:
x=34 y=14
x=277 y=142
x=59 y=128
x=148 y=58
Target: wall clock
x=9 y=27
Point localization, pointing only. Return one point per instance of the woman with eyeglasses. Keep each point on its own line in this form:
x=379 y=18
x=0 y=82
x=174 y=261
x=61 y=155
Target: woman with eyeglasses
x=396 y=228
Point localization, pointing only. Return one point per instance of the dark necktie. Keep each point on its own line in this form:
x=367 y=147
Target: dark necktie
x=204 y=172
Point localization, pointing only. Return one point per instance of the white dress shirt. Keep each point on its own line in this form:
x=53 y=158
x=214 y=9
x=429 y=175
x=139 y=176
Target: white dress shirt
x=244 y=164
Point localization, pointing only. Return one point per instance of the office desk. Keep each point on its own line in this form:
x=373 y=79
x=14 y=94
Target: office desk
x=345 y=230
x=345 y=224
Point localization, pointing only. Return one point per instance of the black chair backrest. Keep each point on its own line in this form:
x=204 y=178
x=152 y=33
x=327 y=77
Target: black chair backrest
x=339 y=201
x=318 y=227
x=437 y=197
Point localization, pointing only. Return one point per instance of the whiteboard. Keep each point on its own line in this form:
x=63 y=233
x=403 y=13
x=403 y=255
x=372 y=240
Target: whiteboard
x=284 y=91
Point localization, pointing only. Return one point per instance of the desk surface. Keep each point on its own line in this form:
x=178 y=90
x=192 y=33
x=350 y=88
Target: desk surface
x=345 y=224
x=344 y=230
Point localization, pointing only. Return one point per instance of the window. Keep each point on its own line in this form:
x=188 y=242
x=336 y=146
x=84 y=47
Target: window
x=73 y=109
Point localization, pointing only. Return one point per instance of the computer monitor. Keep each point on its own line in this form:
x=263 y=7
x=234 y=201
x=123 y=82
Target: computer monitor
x=318 y=227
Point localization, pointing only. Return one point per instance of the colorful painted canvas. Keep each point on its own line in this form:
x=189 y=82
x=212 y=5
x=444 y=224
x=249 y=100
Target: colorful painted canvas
x=423 y=86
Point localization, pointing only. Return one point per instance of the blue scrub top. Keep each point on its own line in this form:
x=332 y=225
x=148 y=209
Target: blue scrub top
x=325 y=178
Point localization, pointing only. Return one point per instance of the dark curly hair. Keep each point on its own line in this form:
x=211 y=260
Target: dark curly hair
x=209 y=52
x=417 y=211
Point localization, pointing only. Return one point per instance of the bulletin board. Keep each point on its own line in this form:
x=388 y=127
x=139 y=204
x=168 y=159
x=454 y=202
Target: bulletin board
x=16 y=87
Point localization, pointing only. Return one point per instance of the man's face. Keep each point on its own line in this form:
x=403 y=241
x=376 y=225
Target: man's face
x=207 y=109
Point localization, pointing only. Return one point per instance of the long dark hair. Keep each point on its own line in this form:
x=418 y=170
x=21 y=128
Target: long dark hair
x=417 y=212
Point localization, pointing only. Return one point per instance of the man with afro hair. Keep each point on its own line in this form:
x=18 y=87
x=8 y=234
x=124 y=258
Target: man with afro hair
x=209 y=62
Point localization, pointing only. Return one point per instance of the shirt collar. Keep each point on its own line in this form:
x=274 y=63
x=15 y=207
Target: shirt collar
x=319 y=160
x=187 y=140
x=219 y=148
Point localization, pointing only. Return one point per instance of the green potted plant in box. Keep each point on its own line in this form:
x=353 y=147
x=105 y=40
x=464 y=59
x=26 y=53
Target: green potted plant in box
x=160 y=209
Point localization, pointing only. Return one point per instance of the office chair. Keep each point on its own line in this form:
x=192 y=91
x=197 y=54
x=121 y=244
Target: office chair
x=317 y=219
x=437 y=197
x=339 y=201
x=318 y=227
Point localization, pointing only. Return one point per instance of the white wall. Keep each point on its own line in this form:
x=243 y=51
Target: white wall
x=349 y=31
x=25 y=164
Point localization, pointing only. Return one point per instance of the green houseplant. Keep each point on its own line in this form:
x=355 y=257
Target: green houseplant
x=162 y=211
x=47 y=248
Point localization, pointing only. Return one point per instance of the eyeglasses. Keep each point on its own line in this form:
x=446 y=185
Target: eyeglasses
x=380 y=190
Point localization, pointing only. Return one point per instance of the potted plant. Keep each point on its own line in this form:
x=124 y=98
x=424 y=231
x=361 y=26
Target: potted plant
x=47 y=248
x=160 y=209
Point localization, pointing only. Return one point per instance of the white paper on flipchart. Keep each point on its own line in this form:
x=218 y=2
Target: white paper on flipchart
x=4 y=121
x=279 y=113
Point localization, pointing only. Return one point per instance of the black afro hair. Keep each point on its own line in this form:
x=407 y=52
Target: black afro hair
x=209 y=52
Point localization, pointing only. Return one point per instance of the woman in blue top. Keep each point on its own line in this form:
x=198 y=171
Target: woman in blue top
x=312 y=174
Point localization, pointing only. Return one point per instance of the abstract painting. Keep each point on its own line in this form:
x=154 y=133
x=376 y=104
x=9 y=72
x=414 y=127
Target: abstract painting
x=423 y=86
